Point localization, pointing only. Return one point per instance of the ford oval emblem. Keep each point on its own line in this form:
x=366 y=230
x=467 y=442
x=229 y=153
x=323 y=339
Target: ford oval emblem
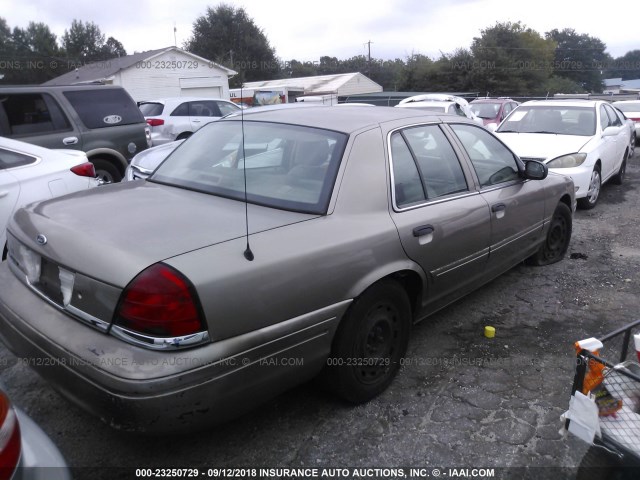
x=41 y=239
x=112 y=119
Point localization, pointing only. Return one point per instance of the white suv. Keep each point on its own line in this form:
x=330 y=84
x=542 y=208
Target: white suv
x=178 y=117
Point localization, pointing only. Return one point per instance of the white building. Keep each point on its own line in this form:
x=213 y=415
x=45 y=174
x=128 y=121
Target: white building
x=328 y=86
x=167 y=72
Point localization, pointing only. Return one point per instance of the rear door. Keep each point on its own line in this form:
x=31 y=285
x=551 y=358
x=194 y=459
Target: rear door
x=516 y=205
x=203 y=112
x=444 y=225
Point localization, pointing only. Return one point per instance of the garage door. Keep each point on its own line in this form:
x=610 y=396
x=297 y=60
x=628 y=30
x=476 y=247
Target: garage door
x=207 y=92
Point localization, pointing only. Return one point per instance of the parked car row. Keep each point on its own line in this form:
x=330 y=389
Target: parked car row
x=315 y=233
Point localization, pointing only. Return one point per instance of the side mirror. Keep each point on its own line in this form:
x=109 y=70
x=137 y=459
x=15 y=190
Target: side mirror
x=610 y=131
x=534 y=170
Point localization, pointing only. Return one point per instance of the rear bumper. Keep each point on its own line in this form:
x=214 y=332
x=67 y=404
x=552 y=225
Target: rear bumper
x=136 y=389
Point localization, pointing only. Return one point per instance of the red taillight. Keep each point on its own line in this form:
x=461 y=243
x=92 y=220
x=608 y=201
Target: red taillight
x=159 y=302
x=84 y=170
x=9 y=438
x=635 y=119
x=155 y=122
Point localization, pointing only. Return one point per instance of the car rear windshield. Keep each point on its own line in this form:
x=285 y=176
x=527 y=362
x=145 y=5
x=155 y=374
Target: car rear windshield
x=151 y=109
x=104 y=108
x=552 y=119
x=485 y=110
x=288 y=167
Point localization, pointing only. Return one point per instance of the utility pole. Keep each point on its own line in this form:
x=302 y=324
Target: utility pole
x=175 y=41
x=369 y=61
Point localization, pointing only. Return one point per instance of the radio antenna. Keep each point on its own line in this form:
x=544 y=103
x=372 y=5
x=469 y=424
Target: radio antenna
x=248 y=254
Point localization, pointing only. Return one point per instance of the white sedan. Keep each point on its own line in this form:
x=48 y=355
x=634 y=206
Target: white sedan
x=583 y=139
x=29 y=173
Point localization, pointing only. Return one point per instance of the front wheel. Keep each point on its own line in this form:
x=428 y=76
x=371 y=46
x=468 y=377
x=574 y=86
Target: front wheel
x=370 y=343
x=558 y=237
x=588 y=202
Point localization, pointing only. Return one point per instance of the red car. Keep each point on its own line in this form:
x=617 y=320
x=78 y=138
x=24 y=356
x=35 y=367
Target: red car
x=492 y=110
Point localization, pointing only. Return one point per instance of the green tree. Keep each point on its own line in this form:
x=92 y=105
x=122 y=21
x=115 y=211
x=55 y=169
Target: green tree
x=84 y=43
x=34 y=52
x=514 y=60
x=579 y=57
x=626 y=67
x=415 y=76
x=113 y=48
x=228 y=36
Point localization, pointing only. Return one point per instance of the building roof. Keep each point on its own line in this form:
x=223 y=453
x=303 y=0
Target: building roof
x=612 y=82
x=98 y=72
x=630 y=84
x=319 y=84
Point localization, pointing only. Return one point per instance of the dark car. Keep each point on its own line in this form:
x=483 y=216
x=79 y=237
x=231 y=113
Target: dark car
x=102 y=121
x=492 y=110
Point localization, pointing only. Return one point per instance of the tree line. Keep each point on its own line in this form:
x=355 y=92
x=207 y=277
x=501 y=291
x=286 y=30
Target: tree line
x=506 y=59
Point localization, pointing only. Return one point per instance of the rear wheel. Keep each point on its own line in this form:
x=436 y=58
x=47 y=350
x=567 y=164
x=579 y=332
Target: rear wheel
x=558 y=237
x=593 y=193
x=618 y=178
x=106 y=171
x=370 y=343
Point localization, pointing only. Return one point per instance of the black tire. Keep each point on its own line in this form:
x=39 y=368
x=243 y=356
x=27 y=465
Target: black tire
x=618 y=178
x=106 y=171
x=370 y=342
x=184 y=135
x=595 y=185
x=556 y=244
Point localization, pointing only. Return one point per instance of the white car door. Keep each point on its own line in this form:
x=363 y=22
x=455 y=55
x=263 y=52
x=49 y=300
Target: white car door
x=610 y=147
x=622 y=139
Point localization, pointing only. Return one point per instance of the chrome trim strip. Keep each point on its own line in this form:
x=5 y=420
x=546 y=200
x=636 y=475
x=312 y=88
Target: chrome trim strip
x=155 y=343
x=72 y=311
x=504 y=243
x=460 y=263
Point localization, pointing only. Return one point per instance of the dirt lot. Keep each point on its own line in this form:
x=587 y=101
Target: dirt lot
x=461 y=400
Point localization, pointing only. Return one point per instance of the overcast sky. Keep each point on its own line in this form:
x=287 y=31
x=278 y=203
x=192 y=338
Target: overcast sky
x=340 y=28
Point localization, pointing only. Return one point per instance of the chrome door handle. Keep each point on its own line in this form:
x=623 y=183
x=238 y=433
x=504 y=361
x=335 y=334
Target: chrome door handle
x=4 y=193
x=70 y=140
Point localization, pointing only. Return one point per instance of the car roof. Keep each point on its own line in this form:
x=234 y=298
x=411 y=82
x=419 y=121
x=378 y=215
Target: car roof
x=492 y=100
x=346 y=119
x=168 y=100
x=566 y=103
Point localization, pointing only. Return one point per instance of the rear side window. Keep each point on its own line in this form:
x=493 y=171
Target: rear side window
x=104 y=108
x=151 y=109
x=9 y=159
x=424 y=165
x=31 y=114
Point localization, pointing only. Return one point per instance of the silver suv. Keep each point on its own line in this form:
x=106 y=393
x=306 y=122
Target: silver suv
x=102 y=121
x=176 y=118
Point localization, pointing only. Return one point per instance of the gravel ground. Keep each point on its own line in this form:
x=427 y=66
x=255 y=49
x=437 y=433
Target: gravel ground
x=461 y=400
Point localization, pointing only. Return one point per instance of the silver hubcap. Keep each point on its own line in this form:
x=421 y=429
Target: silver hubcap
x=594 y=187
